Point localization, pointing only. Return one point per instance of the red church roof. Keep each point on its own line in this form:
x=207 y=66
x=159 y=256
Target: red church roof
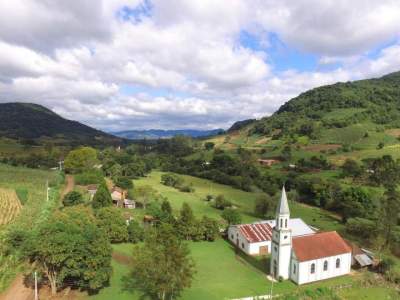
x=315 y=246
x=255 y=233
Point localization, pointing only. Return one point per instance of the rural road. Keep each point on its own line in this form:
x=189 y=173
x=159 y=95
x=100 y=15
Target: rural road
x=69 y=185
x=18 y=291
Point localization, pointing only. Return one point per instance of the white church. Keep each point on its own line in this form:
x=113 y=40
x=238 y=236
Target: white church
x=297 y=252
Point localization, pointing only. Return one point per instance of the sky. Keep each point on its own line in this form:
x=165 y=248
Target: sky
x=179 y=64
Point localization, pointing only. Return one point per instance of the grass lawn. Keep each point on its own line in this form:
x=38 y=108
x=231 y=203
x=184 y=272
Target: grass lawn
x=221 y=274
x=370 y=293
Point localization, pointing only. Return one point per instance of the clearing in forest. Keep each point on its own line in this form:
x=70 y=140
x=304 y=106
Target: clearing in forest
x=9 y=205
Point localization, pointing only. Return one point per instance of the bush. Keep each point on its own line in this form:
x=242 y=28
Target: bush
x=102 y=198
x=89 y=177
x=171 y=180
x=221 y=202
x=72 y=198
x=186 y=189
x=124 y=183
x=231 y=216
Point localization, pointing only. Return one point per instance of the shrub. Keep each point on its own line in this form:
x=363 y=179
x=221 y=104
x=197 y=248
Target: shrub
x=221 y=202
x=72 y=198
x=102 y=198
x=171 y=180
x=124 y=183
x=186 y=189
x=135 y=232
x=231 y=216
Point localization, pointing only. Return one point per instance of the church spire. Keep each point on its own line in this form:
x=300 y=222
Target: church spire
x=283 y=206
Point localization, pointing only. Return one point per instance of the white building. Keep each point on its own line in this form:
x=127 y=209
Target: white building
x=306 y=258
x=256 y=238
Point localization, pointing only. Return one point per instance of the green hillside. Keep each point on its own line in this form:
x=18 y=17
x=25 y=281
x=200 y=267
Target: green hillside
x=33 y=123
x=360 y=118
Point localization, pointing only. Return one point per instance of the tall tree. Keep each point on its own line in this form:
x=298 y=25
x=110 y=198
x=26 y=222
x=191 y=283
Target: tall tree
x=390 y=213
x=186 y=226
x=161 y=268
x=81 y=159
x=102 y=198
x=70 y=245
x=112 y=222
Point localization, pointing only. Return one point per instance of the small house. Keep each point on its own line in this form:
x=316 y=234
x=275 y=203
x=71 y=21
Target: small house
x=117 y=195
x=267 y=162
x=130 y=204
x=92 y=189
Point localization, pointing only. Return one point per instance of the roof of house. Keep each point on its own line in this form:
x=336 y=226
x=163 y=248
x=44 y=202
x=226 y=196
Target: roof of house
x=297 y=226
x=255 y=233
x=92 y=187
x=319 y=245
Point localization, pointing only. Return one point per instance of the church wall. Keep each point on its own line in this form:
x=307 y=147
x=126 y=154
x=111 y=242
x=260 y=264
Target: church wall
x=305 y=275
x=294 y=265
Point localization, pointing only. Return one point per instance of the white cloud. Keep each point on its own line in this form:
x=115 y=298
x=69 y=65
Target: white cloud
x=75 y=56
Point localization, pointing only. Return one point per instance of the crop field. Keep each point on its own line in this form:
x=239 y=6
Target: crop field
x=10 y=206
x=31 y=184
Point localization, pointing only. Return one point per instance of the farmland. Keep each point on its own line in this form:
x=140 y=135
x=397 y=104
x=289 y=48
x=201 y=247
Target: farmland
x=9 y=206
x=31 y=185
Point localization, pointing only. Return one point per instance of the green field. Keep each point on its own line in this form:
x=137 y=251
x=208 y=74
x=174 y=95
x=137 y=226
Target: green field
x=222 y=274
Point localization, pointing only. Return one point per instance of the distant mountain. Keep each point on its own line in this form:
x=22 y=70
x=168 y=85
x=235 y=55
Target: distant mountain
x=153 y=134
x=36 y=124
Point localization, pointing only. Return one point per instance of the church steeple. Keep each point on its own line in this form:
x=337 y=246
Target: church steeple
x=283 y=207
x=282 y=212
x=281 y=240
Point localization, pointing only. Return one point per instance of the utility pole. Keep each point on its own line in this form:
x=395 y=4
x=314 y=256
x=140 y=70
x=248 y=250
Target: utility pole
x=47 y=190
x=272 y=287
x=36 y=289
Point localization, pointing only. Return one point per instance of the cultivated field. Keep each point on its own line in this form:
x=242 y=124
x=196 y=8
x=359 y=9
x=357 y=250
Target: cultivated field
x=9 y=206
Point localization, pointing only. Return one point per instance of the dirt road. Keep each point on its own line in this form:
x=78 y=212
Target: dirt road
x=69 y=185
x=18 y=291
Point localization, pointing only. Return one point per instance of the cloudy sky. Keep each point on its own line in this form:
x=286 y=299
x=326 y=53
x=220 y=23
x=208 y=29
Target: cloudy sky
x=120 y=64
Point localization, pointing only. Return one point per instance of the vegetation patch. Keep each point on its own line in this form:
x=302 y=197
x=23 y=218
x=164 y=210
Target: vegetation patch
x=9 y=206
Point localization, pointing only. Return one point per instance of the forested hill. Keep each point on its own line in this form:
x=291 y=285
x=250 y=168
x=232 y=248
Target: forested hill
x=34 y=123
x=372 y=101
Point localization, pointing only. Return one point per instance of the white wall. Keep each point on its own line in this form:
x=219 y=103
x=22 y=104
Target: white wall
x=237 y=238
x=304 y=269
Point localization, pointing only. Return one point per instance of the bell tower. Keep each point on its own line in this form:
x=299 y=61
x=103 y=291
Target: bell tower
x=281 y=240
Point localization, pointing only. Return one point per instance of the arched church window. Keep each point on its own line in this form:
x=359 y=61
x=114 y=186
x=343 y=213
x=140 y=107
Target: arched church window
x=281 y=223
x=294 y=269
x=337 y=263
x=312 y=268
x=325 y=265
x=286 y=223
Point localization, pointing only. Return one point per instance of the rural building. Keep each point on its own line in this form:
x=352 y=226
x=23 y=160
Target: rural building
x=268 y=162
x=256 y=238
x=92 y=189
x=130 y=204
x=360 y=257
x=117 y=195
x=306 y=258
